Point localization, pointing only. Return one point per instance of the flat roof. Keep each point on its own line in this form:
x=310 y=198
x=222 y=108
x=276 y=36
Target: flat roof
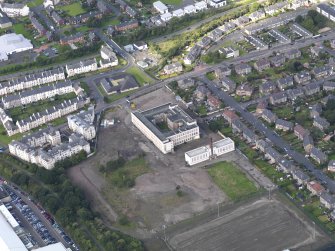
x=9 y=241
x=170 y=110
x=197 y=151
x=53 y=247
x=223 y=142
x=12 y=42
x=9 y=217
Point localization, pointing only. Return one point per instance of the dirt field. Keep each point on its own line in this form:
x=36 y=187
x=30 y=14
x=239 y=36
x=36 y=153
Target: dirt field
x=153 y=201
x=261 y=225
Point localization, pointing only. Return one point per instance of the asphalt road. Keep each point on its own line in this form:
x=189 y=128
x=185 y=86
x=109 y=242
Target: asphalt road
x=271 y=135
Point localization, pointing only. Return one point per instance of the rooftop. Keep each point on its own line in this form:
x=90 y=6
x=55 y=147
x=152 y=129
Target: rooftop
x=169 y=113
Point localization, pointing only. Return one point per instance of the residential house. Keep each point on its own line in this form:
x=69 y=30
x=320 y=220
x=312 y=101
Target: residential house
x=192 y=55
x=201 y=92
x=267 y=88
x=319 y=156
x=262 y=145
x=284 y=125
x=285 y=166
x=300 y=177
x=275 y=8
x=325 y=100
x=133 y=24
x=243 y=69
x=14 y=9
x=75 y=38
x=130 y=11
x=269 y=116
x=331 y=166
x=160 y=7
x=312 y=88
x=140 y=45
x=315 y=188
x=302 y=77
x=261 y=106
x=242 y=20
x=173 y=68
x=213 y=101
x=321 y=123
x=300 y=132
x=217 y=3
x=322 y=71
x=237 y=126
x=285 y=82
x=190 y=9
x=230 y=52
x=57 y=18
x=328 y=86
x=82 y=123
x=327 y=200
x=244 y=90
x=294 y=94
x=249 y=135
x=272 y=155
x=222 y=72
x=308 y=143
x=4 y=21
x=204 y=42
x=293 y=54
x=258 y=14
x=37 y=25
x=166 y=17
x=215 y=35
x=202 y=5
x=228 y=84
x=186 y=83
x=278 y=98
x=229 y=115
x=262 y=64
x=317 y=50
x=278 y=60
x=315 y=110
x=178 y=13
x=103 y=7
x=81 y=67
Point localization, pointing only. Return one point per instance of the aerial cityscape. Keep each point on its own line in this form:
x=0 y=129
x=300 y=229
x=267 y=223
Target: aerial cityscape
x=170 y=125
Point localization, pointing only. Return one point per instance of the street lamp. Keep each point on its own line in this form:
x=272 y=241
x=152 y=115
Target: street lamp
x=218 y=209
x=313 y=230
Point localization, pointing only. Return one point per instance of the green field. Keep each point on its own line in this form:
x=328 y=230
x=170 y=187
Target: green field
x=21 y=29
x=19 y=113
x=140 y=77
x=172 y=2
x=233 y=182
x=5 y=139
x=73 y=9
x=35 y=3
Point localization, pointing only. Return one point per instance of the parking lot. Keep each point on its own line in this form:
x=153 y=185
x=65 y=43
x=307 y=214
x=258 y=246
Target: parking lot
x=39 y=226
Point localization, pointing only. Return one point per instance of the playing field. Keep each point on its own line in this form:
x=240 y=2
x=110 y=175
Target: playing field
x=262 y=225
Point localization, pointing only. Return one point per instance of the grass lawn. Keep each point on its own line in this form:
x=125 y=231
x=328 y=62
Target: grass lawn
x=35 y=3
x=5 y=139
x=19 y=113
x=233 y=182
x=172 y=2
x=113 y=97
x=73 y=9
x=21 y=29
x=131 y=169
x=140 y=77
